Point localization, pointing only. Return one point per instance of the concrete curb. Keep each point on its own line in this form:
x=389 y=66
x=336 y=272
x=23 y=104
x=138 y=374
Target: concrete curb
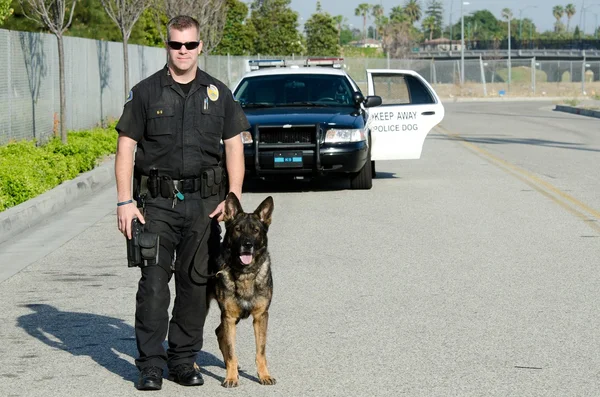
x=580 y=111
x=21 y=217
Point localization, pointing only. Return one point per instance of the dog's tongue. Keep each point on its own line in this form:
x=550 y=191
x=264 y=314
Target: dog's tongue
x=246 y=259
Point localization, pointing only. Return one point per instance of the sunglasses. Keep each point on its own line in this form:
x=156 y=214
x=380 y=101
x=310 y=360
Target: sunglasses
x=190 y=45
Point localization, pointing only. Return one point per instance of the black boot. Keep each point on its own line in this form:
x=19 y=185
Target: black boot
x=150 y=379
x=186 y=375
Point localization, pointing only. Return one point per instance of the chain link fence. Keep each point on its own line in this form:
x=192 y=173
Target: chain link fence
x=29 y=89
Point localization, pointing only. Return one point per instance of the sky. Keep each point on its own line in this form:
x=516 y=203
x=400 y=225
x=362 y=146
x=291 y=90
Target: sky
x=541 y=14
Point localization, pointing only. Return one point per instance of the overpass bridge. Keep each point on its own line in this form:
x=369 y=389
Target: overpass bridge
x=538 y=54
x=551 y=61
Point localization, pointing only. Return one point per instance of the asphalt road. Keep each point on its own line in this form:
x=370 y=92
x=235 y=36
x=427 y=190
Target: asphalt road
x=469 y=272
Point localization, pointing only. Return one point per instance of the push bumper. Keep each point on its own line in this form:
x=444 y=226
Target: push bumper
x=319 y=159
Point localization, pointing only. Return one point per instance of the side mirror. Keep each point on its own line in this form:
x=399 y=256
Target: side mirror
x=372 y=101
x=358 y=98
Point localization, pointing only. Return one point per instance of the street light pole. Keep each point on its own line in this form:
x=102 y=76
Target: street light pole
x=509 y=60
x=584 y=16
x=462 y=42
x=521 y=21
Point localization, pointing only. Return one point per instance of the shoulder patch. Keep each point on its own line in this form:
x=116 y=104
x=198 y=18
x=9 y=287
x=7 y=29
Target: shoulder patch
x=129 y=97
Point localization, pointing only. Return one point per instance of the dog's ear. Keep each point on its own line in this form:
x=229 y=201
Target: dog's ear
x=264 y=210
x=232 y=207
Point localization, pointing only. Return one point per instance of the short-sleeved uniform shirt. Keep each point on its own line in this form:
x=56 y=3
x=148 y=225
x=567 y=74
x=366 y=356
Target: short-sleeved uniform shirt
x=176 y=133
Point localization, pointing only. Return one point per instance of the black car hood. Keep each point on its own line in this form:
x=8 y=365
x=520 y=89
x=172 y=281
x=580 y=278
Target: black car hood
x=341 y=116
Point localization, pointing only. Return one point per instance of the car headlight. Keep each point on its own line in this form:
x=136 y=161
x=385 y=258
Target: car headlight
x=337 y=136
x=247 y=137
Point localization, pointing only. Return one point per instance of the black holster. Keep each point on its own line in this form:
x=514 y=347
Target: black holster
x=143 y=247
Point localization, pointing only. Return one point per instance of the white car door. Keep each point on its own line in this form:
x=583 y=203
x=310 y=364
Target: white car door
x=410 y=109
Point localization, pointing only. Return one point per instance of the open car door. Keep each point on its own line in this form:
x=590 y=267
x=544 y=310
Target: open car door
x=410 y=109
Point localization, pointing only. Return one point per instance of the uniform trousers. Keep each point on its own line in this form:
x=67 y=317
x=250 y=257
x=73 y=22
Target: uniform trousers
x=182 y=229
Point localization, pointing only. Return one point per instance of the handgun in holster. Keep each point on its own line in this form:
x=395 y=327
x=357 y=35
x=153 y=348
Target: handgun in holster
x=143 y=247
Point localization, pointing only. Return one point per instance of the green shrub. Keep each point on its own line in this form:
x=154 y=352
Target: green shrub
x=27 y=170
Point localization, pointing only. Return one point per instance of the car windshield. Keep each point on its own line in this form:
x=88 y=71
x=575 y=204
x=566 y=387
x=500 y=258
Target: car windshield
x=294 y=90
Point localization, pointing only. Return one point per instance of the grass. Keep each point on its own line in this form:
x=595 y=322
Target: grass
x=522 y=74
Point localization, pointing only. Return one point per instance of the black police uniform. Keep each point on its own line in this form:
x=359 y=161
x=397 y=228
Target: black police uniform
x=178 y=129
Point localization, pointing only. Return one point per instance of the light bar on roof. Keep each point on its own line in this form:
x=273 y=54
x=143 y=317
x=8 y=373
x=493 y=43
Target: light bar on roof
x=256 y=64
x=334 y=62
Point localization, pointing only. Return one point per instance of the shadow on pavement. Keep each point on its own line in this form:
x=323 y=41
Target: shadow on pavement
x=104 y=339
x=290 y=185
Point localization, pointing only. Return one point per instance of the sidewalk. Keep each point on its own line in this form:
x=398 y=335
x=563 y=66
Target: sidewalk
x=15 y=220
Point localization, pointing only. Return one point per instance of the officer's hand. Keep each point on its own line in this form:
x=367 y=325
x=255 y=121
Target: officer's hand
x=125 y=215
x=219 y=211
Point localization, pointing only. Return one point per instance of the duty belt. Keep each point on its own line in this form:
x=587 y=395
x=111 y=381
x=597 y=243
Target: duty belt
x=209 y=184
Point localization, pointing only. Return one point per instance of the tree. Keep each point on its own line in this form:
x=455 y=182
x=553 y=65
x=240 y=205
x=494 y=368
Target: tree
x=570 y=11
x=435 y=9
x=125 y=14
x=5 y=10
x=429 y=25
x=486 y=23
x=397 y=15
x=412 y=9
x=276 y=26
x=363 y=10
x=339 y=20
x=377 y=12
x=238 y=36
x=56 y=17
x=347 y=35
x=210 y=15
x=558 y=12
x=321 y=34
x=399 y=36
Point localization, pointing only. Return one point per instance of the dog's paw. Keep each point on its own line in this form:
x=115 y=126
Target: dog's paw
x=267 y=381
x=230 y=383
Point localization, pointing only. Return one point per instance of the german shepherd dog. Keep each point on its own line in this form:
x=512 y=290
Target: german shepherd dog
x=243 y=285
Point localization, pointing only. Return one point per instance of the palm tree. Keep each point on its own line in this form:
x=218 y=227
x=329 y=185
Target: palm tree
x=558 y=12
x=570 y=11
x=412 y=9
x=363 y=10
x=377 y=12
x=429 y=24
x=339 y=20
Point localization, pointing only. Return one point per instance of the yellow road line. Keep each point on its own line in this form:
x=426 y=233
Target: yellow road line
x=583 y=211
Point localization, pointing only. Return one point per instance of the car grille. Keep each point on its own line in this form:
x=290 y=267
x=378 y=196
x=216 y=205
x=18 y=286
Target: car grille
x=304 y=134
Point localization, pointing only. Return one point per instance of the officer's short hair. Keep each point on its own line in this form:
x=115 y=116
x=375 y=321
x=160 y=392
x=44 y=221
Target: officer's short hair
x=182 y=22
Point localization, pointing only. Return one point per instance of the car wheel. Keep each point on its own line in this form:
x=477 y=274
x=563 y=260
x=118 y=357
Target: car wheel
x=363 y=179
x=373 y=172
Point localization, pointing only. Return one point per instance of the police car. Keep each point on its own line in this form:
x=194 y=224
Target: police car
x=309 y=118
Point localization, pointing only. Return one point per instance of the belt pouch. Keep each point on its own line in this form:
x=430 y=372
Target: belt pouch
x=208 y=181
x=166 y=187
x=149 y=243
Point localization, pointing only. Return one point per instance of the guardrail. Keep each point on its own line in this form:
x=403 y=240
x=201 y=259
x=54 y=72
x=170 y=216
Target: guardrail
x=521 y=53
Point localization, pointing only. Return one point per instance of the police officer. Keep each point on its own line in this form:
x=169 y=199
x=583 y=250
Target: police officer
x=177 y=118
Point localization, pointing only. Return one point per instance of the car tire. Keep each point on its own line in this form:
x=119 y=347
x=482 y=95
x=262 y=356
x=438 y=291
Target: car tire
x=363 y=179
x=373 y=172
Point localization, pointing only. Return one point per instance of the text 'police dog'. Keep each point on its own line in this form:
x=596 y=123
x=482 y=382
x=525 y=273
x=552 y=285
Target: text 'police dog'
x=244 y=285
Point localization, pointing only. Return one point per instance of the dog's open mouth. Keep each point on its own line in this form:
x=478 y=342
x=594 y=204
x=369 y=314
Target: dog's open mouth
x=246 y=258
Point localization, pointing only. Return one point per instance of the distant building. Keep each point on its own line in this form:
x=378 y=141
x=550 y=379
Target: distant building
x=441 y=44
x=366 y=43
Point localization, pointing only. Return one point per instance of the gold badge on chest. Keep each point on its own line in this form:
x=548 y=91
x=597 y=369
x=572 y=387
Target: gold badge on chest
x=213 y=92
